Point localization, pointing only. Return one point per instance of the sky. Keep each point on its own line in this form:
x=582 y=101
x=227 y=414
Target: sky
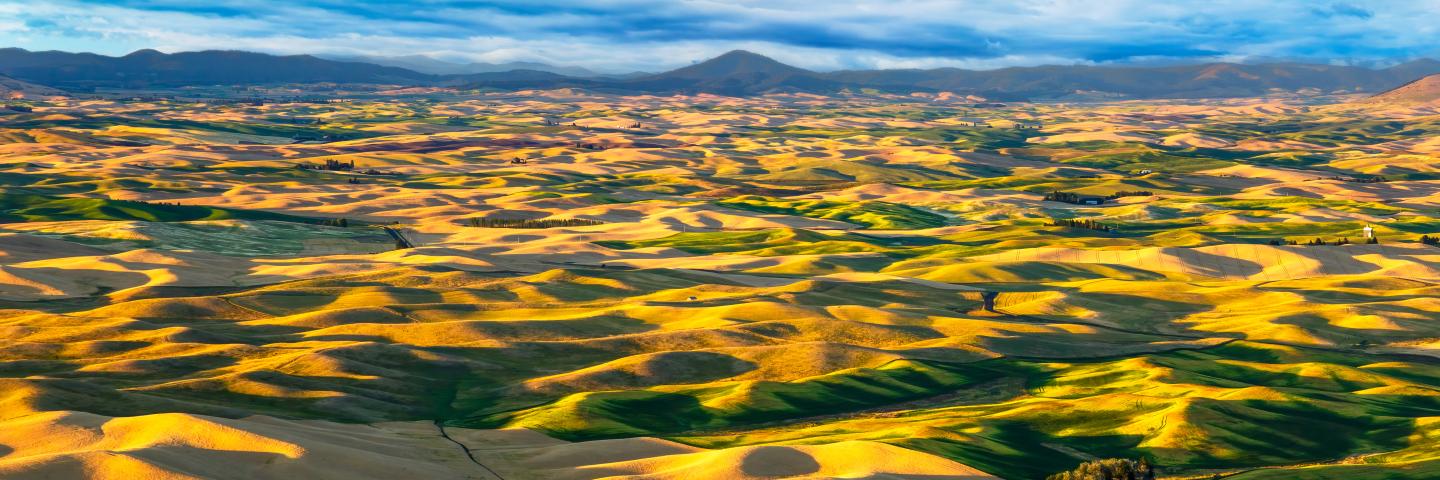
x=651 y=35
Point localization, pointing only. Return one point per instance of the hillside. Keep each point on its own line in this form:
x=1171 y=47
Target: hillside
x=11 y=88
x=1419 y=92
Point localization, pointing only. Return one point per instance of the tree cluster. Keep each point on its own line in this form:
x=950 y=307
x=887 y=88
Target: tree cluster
x=1369 y=179
x=546 y=223
x=1109 y=469
x=1429 y=240
x=254 y=102
x=1059 y=196
x=330 y=165
x=1075 y=198
x=1319 y=241
x=1081 y=223
x=335 y=222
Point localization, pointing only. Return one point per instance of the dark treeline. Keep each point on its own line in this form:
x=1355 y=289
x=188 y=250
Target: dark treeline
x=1059 y=196
x=1078 y=199
x=330 y=165
x=1320 y=241
x=1082 y=223
x=1369 y=179
x=547 y=223
x=333 y=165
x=1429 y=240
x=253 y=101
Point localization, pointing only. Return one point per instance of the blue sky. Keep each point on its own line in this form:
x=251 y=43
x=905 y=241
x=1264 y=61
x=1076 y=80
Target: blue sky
x=627 y=35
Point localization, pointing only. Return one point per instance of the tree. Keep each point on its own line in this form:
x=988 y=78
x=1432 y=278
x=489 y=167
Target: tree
x=1109 y=469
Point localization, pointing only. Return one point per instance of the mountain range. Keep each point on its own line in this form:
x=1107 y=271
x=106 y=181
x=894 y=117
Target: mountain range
x=432 y=66
x=737 y=73
x=150 y=68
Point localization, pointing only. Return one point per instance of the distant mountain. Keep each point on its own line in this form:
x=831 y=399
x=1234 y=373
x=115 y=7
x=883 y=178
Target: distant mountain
x=733 y=64
x=424 y=64
x=737 y=73
x=1416 y=68
x=1425 y=91
x=149 y=68
x=745 y=73
x=1188 y=81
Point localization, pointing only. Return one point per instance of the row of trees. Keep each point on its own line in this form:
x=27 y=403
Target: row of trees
x=1319 y=241
x=333 y=165
x=552 y=123
x=1369 y=179
x=1429 y=240
x=1081 y=223
x=1067 y=197
x=330 y=165
x=546 y=223
x=1075 y=198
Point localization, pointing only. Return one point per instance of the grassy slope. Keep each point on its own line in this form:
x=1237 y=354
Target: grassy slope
x=870 y=214
x=39 y=208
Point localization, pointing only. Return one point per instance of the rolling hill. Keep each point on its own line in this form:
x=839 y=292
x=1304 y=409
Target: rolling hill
x=785 y=286
x=1423 y=91
x=11 y=88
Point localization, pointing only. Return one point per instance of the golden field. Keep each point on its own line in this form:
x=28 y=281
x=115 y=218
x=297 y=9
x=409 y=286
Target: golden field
x=658 y=287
